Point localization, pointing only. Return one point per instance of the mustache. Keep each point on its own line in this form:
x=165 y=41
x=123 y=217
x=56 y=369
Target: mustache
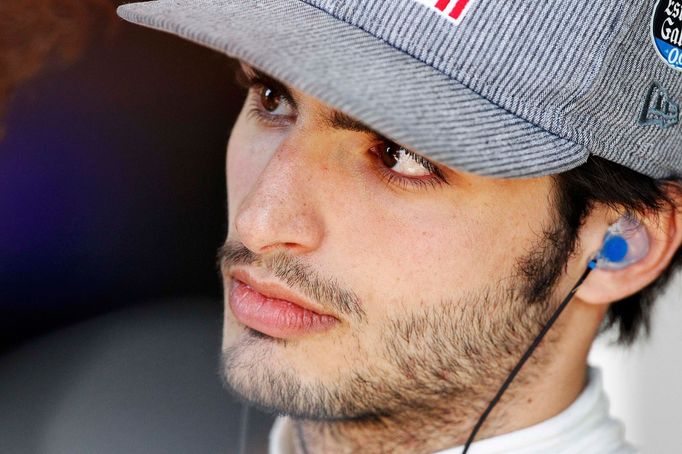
x=296 y=275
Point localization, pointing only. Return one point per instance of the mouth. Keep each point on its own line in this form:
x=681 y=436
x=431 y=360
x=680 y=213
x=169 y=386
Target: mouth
x=268 y=312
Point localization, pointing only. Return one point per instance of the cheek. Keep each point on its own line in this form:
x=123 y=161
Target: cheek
x=414 y=236
x=405 y=255
x=460 y=242
x=428 y=252
x=397 y=261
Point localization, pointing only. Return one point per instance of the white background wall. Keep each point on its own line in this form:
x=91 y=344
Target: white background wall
x=644 y=382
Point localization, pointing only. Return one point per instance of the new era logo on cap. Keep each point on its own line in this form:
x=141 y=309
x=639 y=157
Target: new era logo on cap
x=659 y=108
x=454 y=10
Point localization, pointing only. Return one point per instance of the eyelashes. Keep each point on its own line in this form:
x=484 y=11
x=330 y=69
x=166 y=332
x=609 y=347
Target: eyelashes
x=256 y=112
x=392 y=178
x=434 y=178
x=254 y=83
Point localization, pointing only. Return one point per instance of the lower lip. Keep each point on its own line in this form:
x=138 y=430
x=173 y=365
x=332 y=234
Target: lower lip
x=272 y=316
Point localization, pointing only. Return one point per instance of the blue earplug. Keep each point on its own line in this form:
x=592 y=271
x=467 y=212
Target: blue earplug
x=615 y=249
x=625 y=243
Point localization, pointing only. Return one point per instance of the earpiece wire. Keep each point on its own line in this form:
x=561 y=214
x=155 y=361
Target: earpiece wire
x=526 y=356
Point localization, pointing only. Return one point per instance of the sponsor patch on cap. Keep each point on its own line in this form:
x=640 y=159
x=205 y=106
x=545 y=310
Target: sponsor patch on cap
x=453 y=10
x=667 y=31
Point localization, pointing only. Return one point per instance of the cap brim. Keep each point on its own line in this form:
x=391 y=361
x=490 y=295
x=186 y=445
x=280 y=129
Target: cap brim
x=402 y=98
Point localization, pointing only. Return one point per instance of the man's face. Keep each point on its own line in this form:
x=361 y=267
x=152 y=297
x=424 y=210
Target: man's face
x=424 y=283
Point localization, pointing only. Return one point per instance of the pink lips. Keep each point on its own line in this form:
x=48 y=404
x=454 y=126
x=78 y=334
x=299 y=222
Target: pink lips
x=273 y=316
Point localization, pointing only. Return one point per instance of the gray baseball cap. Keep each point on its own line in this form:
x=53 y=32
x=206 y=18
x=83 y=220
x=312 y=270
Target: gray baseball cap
x=495 y=87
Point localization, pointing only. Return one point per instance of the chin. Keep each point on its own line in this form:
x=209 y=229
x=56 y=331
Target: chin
x=248 y=368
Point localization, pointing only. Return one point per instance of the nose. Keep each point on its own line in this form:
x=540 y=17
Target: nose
x=281 y=210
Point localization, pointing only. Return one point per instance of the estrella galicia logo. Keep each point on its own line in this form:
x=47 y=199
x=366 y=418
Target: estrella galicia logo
x=667 y=31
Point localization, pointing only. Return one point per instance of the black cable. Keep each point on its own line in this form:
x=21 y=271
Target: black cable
x=525 y=357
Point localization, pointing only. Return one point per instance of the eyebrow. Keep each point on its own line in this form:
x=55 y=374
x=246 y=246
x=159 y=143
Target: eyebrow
x=336 y=119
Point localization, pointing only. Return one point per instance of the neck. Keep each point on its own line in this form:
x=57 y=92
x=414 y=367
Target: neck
x=439 y=428
x=418 y=432
x=543 y=390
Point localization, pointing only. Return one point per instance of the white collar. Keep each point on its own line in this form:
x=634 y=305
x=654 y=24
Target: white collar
x=583 y=427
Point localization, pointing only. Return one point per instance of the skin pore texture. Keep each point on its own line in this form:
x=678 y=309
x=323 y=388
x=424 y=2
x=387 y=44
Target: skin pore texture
x=438 y=287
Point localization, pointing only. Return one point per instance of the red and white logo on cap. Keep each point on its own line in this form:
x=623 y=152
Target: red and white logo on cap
x=454 y=10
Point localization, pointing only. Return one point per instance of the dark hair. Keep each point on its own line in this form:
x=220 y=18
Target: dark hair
x=602 y=182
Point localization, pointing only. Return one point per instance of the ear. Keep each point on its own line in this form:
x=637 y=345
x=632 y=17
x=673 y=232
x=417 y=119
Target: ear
x=665 y=235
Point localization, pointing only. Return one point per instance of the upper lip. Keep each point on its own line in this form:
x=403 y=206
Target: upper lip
x=275 y=290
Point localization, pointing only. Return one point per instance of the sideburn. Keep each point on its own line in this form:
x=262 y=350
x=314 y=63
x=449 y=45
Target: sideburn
x=548 y=260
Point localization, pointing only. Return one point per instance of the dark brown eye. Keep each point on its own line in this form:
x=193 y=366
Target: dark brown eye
x=389 y=154
x=269 y=98
x=402 y=160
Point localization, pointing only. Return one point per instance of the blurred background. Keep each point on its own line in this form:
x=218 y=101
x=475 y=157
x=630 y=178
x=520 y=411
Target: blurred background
x=112 y=207
x=112 y=188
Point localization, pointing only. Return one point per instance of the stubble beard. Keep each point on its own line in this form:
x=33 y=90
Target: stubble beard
x=437 y=365
x=446 y=359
